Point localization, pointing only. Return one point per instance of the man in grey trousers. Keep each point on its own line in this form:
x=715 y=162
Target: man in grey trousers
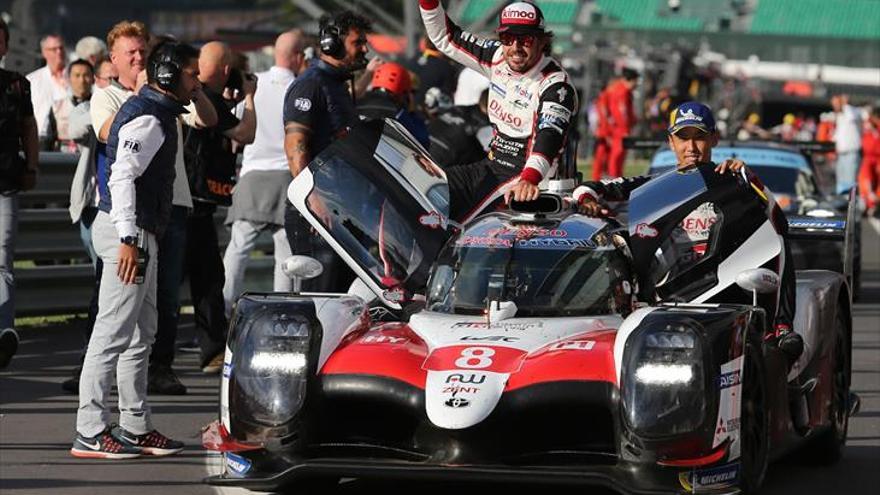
x=132 y=215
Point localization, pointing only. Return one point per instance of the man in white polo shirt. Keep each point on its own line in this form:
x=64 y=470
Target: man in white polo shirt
x=258 y=200
x=49 y=87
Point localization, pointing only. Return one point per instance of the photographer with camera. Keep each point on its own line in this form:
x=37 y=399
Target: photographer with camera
x=210 y=167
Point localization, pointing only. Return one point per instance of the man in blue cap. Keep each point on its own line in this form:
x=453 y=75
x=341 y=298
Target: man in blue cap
x=692 y=135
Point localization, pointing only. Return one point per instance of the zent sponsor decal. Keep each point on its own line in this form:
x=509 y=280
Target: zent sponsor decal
x=227 y=370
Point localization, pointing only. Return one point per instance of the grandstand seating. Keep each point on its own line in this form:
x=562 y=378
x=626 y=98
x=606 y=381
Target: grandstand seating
x=859 y=19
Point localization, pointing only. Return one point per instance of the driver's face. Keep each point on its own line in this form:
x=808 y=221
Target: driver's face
x=692 y=146
x=522 y=52
x=356 y=48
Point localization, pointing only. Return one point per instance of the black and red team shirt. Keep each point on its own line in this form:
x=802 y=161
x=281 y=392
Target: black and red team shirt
x=530 y=112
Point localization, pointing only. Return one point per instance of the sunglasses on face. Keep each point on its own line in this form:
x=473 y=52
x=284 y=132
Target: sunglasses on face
x=525 y=40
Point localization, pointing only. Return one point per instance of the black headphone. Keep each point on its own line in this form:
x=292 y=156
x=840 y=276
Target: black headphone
x=164 y=67
x=331 y=40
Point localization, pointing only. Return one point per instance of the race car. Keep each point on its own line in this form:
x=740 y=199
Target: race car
x=817 y=221
x=529 y=344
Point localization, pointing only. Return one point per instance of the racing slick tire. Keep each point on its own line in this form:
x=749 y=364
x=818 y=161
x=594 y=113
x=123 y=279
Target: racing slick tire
x=755 y=422
x=827 y=446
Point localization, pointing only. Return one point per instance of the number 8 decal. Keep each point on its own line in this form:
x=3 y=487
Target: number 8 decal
x=475 y=358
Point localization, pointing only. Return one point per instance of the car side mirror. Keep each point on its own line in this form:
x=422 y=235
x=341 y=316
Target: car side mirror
x=758 y=281
x=299 y=268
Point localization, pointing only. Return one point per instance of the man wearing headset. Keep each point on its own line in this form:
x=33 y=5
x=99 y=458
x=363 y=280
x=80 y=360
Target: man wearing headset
x=531 y=105
x=141 y=151
x=318 y=108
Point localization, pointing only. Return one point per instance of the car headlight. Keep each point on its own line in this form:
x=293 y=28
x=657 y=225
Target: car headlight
x=270 y=366
x=663 y=384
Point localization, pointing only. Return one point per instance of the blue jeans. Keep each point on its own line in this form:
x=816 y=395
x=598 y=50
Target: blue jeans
x=172 y=252
x=85 y=231
x=8 y=230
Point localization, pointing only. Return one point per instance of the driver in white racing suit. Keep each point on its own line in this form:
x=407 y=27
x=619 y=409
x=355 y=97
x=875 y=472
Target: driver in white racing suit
x=531 y=105
x=692 y=135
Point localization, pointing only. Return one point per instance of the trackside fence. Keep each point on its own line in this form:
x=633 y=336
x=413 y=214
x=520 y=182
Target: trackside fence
x=53 y=273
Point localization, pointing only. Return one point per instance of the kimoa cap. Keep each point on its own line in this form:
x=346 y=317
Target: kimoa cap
x=691 y=114
x=521 y=18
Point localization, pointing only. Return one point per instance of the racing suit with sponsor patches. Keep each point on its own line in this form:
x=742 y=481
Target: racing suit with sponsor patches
x=530 y=112
x=694 y=229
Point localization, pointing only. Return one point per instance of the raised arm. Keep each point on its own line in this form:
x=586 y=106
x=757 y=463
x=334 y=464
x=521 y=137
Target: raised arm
x=459 y=45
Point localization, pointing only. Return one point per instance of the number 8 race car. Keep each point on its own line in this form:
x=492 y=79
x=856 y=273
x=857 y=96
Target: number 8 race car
x=517 y=349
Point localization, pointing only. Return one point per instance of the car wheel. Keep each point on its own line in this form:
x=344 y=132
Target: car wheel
x=827 y=446
x=755 y=425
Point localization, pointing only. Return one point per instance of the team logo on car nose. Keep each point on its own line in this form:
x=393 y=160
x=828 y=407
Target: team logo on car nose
x=457 y=402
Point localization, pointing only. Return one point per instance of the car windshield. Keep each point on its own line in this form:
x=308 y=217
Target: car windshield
x=543 y=276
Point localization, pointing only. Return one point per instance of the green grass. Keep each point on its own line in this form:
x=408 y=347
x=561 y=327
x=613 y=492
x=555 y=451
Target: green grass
x=47 y=321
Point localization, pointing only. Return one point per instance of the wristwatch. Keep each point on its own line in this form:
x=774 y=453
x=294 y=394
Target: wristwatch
x=129 y=240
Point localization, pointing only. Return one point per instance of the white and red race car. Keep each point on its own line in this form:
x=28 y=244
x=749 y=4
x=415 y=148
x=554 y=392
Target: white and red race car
x=529 y=345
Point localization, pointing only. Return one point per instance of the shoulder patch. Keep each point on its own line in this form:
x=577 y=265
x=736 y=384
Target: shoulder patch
x=302 y=104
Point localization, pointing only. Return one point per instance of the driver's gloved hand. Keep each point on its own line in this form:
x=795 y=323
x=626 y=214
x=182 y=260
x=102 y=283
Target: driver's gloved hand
x=789 y=342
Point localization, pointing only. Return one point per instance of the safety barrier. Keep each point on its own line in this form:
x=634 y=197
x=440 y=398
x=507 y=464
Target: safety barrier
x=53 y=273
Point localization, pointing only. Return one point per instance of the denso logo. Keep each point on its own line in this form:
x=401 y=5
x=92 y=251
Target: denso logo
x=504 y=116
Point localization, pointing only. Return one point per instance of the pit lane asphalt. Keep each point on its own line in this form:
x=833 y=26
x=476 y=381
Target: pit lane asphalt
x=37 y=424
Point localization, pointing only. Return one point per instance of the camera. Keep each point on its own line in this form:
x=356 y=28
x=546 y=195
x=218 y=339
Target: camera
x=237 y=78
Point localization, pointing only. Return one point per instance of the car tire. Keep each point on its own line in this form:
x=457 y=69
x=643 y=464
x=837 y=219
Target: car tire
x=755 y=426
x=827 y=446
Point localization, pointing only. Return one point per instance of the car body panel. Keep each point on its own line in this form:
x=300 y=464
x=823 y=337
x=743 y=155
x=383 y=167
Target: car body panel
x=449 y=392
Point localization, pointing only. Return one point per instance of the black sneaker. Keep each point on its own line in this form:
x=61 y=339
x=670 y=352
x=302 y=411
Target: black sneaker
x=103 y=446
x=8 y=346
x=162 y=380
x=152 y=443
x=71 y=385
